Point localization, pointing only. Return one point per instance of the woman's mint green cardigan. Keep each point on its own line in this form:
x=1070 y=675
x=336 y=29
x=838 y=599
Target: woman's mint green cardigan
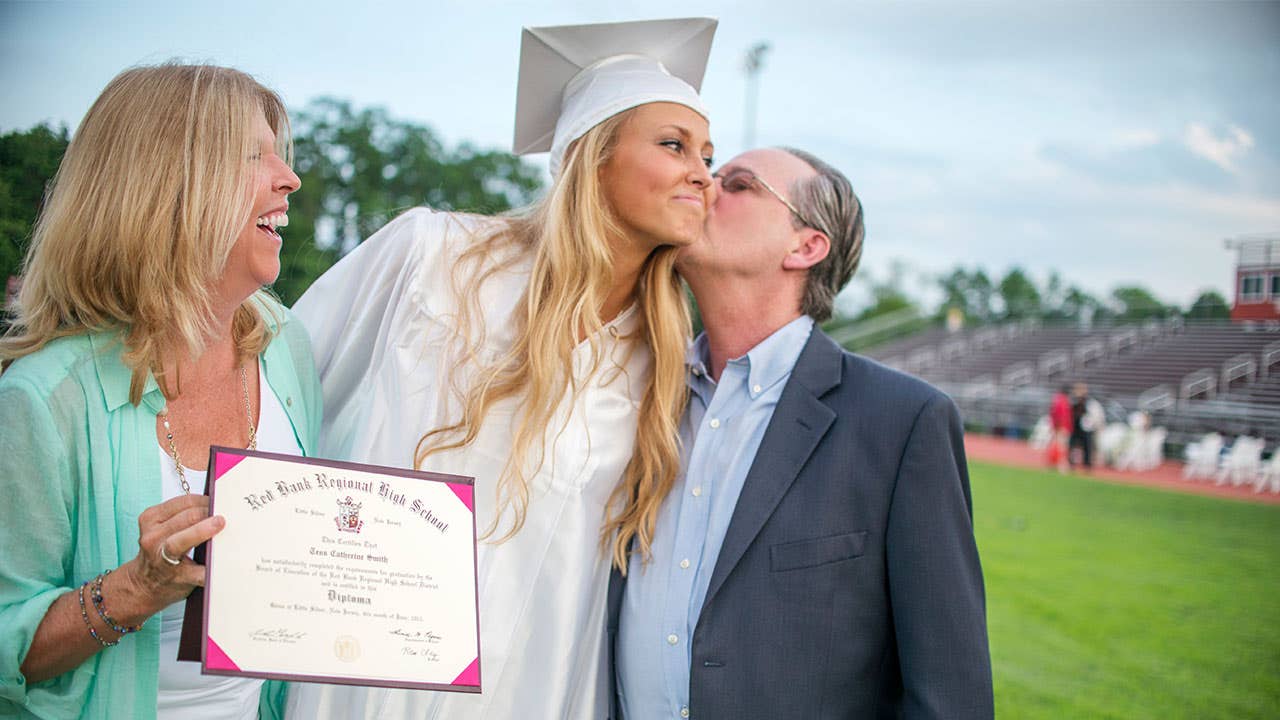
x=77 y=466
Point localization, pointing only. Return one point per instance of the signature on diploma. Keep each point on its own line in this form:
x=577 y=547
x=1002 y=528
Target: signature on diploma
x=279 y=635
x=420 y=636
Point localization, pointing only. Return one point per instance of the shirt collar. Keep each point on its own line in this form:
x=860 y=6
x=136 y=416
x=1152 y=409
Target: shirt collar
x=625 y=322
x=770 y=361
x=695 y=356
x=115 y=376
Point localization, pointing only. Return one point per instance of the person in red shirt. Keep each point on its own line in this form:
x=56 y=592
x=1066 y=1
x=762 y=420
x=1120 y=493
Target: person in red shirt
x=1060 y=418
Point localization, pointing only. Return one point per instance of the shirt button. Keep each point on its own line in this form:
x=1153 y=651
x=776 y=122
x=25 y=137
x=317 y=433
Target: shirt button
x=684 y=564
x=697 y=492
x=715 y=422
x=755 y=389
x=288 y=401
x=684 y=712
x=672 y=639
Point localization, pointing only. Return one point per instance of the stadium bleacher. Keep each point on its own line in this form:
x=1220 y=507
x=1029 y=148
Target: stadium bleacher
x=1192 y=377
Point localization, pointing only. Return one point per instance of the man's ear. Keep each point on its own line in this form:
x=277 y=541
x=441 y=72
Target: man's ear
x=810 y=249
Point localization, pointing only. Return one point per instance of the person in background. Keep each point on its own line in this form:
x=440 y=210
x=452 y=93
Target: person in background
x=1061 y=420
x=141 y=337
x=1087 y=417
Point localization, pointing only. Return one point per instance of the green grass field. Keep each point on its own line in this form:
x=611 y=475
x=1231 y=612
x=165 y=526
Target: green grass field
x=1109 y=601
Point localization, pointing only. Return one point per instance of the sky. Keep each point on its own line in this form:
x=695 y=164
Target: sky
x=1116 y=143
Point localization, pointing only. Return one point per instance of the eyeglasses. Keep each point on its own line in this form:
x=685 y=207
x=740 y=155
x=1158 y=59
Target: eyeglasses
x=738 y=179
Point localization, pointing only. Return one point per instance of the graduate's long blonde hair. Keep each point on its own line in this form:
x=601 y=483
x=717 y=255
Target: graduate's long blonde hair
x=142 y=214
x=568 y=234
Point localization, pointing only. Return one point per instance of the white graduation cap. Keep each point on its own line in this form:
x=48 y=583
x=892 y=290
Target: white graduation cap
x=572 y=77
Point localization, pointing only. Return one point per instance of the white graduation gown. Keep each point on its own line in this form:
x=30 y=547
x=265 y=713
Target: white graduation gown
x=380 y=321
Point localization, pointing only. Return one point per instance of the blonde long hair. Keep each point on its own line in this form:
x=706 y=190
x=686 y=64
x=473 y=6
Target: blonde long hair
x=142 y=214
x=568 y=235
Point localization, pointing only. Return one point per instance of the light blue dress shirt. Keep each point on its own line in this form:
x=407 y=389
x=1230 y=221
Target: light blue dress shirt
x=720 y=434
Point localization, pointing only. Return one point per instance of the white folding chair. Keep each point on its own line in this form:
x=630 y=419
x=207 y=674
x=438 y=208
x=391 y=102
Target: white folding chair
x=1111 y=441
x=1153 y=448
x=1202 y=457
x=1131 y=457
x=1242 y=462
x=1042 y=433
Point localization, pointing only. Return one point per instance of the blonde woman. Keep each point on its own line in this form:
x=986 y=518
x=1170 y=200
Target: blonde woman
x=141 y=338
x=543 y=354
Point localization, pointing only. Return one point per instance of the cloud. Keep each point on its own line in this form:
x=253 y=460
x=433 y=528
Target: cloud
x=1137 y=138
x=1148 y=161
x=1219 y=151
x=1143 y=157
x=1079 y=219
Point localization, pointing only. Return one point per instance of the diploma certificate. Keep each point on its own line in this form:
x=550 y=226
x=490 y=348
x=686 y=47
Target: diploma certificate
x=341 y=573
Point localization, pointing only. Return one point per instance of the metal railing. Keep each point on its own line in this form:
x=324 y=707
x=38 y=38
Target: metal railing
x=1088 y=351
x=1159 y=397
x=1122 y=340
x=1018 y=375
x=1203 y=381
x=1240 y=366
x=1270 y=356
x=1054 y=364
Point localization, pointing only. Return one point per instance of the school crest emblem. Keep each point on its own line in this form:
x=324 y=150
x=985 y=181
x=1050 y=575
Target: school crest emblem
x=348 y=519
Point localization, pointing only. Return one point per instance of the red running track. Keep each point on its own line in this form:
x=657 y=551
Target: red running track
x=1168 y=476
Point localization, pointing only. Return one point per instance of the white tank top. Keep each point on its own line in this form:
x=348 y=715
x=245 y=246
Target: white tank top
x=186 y=694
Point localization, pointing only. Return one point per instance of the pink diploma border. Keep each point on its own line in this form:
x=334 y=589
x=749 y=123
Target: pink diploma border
x=216 y=662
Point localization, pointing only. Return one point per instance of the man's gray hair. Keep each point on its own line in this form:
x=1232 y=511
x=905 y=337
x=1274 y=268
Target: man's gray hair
x=827 y=199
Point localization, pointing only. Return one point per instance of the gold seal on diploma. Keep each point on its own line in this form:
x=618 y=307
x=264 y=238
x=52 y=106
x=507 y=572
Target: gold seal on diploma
x=346 y=648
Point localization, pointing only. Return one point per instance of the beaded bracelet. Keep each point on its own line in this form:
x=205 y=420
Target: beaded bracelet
x=98 y=604
x=84 y=613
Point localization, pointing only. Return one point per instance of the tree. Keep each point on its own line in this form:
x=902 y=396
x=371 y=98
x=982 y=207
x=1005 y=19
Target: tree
x=361 y=168
x=887 y=295
x=1137 y=303
x=972 y=292
x=892 y=312
x=1062 y=302
x=885 y=303
x=1019 y=294
x=28 y=161
x=1210 y=305
x=1079 y=305
x=1052 y=297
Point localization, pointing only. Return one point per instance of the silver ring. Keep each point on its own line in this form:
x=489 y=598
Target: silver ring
x=166 y=557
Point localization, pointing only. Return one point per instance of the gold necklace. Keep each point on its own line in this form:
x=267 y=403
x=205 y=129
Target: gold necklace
x=173 y=448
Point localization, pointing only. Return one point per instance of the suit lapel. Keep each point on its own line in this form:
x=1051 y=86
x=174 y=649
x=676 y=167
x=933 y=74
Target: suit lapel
x=798 y=424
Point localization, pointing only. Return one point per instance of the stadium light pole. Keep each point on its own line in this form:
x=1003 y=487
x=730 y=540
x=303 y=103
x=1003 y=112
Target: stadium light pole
x=752 y=63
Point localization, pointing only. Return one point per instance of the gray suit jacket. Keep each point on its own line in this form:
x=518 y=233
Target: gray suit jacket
x=848 y=585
